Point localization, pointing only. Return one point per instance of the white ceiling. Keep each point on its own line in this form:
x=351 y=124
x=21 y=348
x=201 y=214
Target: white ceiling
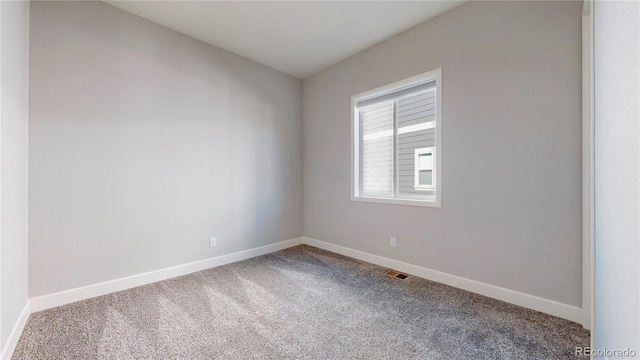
x=297 y=37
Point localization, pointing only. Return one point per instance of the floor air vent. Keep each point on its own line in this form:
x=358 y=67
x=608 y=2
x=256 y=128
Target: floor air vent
x=397 y=274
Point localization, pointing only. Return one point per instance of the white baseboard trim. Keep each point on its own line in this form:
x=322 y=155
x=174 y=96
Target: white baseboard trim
x=44 y=302
x=69 y=296
x=550 y=307
x=13 y=338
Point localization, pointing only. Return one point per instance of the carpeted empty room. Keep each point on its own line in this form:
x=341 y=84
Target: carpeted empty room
x=299 y=303
x=441 y=179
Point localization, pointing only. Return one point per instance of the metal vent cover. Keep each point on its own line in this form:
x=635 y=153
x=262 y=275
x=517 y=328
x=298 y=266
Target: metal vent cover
x=396 y=274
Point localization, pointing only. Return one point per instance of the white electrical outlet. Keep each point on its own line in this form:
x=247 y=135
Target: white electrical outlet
x=212 y=241
x=393 y=242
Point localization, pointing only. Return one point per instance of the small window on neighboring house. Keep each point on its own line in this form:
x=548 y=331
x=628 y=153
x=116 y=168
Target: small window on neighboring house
x=424 y=170
x=396 y=142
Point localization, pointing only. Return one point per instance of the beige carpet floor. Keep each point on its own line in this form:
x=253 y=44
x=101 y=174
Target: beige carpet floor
x=301 y=303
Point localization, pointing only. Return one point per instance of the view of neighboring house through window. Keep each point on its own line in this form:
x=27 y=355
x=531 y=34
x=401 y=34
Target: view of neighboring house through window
x=396 y=142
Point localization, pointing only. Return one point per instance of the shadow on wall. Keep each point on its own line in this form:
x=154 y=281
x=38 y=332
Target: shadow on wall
x=145 y=142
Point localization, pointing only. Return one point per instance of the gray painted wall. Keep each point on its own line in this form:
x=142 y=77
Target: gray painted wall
x=145 y=142
x=617 y=175
x=511 y=156
x=14 y=150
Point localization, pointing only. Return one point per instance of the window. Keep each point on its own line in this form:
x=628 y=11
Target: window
x=424 y=169
x=396 y=142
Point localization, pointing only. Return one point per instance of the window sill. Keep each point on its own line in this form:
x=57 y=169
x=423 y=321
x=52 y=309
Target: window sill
x=423 y=188
x=396 y=201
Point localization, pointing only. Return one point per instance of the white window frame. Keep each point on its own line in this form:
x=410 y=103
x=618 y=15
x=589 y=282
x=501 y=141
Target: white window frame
x=416 y=175
x=356 y=195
